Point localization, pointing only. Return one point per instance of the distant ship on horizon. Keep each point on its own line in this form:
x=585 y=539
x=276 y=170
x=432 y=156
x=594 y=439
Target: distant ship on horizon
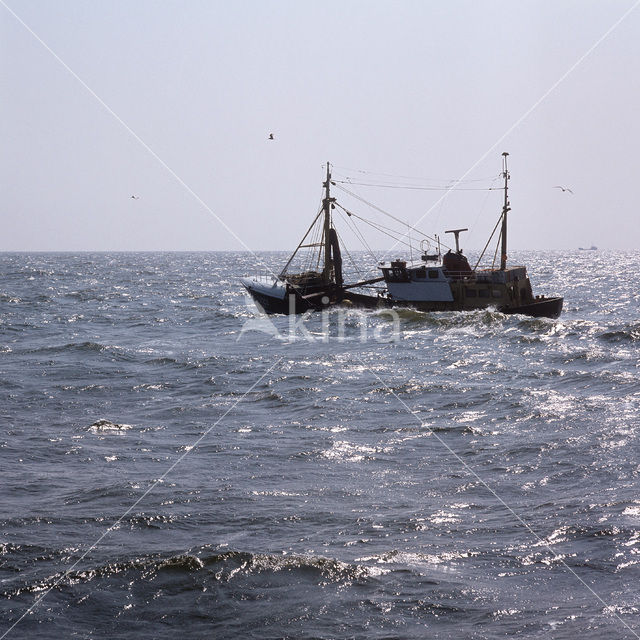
x=591 y=248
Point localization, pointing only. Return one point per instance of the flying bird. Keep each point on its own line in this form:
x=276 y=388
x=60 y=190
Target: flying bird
x=136 y=197
x=271 y=136
x=563 y=188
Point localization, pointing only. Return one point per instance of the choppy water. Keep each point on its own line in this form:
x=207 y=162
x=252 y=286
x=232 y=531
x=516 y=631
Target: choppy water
x=477 y=478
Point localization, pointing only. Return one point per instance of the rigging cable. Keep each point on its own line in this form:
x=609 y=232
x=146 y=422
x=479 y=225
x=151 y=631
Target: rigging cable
x=486 y=245
x=316 y=252
x=357 y=232
x=348 y=254
x=386 y=213
x=381 y=228
x=484 y=204
x=495 y=255
x=415 y=187
x=301 y=241
x=392 y=175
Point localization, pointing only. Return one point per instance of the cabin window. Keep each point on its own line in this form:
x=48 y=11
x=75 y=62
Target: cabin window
x=421 y=273
x=484 y=293
x=470 y=293
x=433 y=274
x=396 y=274
x=497 y=293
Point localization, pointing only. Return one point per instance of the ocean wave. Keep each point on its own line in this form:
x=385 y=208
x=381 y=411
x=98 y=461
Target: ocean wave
x=417 y=559
x=152 y=521
x=264 y=395
x=343 y=451
x=412 y=387
x=85 y=296
x=87 y=346
x=176 y=362
x=98 y=495
x=104 y=426
x=626 y=333
x=229 y=565
x=17 y=327
x=569 y=538
x=218 y=567
x=538 y=325
x=451 y=319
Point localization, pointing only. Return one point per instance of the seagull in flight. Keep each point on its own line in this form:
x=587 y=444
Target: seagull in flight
x=563 y=188
x=136 y=197
x=271 y=136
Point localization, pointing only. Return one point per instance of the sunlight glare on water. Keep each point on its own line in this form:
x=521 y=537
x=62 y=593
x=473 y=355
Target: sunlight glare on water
x=476 y=478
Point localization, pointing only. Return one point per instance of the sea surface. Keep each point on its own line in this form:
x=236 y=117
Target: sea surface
x=172 y=465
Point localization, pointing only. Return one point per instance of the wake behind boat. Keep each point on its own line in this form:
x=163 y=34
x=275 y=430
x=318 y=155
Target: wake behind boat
x=435 y=282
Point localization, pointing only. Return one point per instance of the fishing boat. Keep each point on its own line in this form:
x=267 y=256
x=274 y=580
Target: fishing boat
x=435 y=282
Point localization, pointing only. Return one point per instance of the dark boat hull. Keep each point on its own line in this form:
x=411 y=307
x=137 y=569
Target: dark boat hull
x=292 y=303
x=544 y=308
x=540 y=308
x=287 y=305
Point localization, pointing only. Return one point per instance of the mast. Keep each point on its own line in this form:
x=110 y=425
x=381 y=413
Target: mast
x=326 y=205
x=505 y=209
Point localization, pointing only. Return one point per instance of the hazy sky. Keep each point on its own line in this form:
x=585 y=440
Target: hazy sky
x=422 y=89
